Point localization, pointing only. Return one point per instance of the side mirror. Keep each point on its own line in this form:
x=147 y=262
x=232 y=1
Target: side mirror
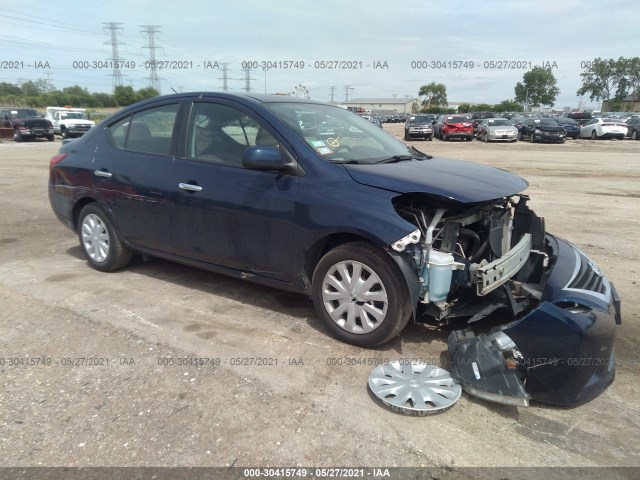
x=266 y=159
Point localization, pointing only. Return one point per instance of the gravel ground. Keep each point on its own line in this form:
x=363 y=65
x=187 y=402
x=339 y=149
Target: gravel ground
x=109 y=397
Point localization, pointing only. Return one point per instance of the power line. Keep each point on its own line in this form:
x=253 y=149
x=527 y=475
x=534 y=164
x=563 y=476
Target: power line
x=76 y=27
x=43 y=23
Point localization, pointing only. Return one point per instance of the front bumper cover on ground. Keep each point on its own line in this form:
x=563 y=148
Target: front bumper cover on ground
x=564 y=346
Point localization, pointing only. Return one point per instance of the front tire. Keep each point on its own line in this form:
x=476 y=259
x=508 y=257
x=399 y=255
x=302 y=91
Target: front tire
x=17 y=137
x=634 y=135
x=360 y=294
x=99 y=241
x=594 y=136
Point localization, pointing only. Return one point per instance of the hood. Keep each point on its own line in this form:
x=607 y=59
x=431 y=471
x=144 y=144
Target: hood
x=464 y=182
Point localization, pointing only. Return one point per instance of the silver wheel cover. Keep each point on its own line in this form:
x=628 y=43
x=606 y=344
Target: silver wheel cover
x=354 y=297
x=95 y=239
x=414 y=388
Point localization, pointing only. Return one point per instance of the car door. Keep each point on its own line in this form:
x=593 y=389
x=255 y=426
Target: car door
x=223 y=213
x=130 y=176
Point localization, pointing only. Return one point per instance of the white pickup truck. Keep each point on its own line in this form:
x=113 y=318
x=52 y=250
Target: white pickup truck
x=69 y=122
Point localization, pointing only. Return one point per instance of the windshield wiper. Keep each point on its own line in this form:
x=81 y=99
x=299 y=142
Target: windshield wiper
x=420 y=155
x=397 y=158
x=349 y=162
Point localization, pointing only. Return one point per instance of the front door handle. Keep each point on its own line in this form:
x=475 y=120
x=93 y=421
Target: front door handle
x=190 y=187
x=102 y=173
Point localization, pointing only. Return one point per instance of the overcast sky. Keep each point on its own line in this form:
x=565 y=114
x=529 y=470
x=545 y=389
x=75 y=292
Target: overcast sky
x=367 y=33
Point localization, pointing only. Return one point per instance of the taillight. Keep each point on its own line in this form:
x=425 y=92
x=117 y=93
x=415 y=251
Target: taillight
x=56 y=159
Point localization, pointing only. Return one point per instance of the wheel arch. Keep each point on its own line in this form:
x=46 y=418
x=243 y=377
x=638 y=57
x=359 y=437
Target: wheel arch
x=324 y=245
x=79 y=205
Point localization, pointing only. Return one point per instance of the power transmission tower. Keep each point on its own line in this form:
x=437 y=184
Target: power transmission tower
x=49 y=84
x=347 y=90
x=150 y=31
x=112 y=29
x=333 y=91
x=225 y=77
x=247 y=80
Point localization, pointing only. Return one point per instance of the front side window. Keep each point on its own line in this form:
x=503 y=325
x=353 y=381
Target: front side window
x=338 y=135
x=220 y=134
x=149 y=131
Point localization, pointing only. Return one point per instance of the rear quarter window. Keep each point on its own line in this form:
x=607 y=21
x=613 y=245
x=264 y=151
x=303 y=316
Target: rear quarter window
x=148 y=131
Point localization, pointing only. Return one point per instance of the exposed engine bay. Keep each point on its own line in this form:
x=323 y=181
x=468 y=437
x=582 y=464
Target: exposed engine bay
x=474 y=261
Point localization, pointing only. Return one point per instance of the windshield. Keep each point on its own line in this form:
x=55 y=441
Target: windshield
x=338 y=135
x=567 y=121
x=547 y=122
x=74 y=115
x=24 y=112
x=456 y=120
x=421 y=119
x=498 y=123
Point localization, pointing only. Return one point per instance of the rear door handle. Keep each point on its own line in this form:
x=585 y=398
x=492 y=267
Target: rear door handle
x=102 y=173
x=190 y=187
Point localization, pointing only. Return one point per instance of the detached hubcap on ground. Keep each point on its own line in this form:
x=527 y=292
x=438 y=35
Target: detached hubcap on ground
x=95 y=238
x=414 y=388
x=354 y=297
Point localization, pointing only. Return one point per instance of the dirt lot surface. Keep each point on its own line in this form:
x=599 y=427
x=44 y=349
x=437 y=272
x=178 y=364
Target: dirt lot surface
x=132 y=409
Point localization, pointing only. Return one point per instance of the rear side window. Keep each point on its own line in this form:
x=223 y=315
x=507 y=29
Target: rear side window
x=149 y=131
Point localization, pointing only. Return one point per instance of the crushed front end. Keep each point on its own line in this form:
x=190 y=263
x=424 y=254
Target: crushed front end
x=533 y=316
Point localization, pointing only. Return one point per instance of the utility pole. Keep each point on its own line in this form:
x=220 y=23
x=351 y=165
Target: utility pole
x=112 y=29
x=150 y=31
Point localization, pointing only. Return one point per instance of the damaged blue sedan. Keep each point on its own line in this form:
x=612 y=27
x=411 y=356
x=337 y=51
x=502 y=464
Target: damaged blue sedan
x=310 y=198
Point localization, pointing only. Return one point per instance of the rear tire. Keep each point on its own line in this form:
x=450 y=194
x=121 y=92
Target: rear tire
x=361 y=295
x=99 y=241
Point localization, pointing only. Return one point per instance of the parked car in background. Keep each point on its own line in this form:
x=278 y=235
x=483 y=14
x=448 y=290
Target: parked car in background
x=633 y=128
x=570 y=126
x=455 y=126
x=373 y=119
x=580 y=117
x=69 y=122
x=477 y=117
x=27 y=123
x=419 y=126
x=375 y=232
x=604 y=129
x=497 y=129
x=541 y=130
x=517 y=120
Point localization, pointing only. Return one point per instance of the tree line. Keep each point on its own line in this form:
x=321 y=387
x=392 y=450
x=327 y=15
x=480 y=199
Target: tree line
x=603 y=79
x=40 y=94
